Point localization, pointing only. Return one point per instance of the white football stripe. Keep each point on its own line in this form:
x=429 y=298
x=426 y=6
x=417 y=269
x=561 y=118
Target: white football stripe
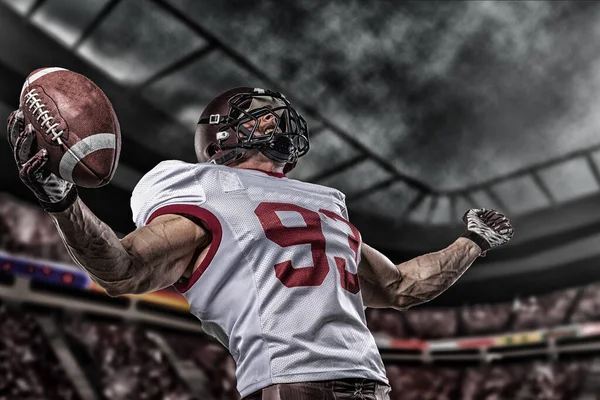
x=83 y=148
x=38 y=75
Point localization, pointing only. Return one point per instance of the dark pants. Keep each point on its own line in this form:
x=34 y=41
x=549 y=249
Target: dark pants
x=342 y=389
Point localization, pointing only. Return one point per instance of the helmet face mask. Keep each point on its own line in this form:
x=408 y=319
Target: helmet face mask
x=230 y=125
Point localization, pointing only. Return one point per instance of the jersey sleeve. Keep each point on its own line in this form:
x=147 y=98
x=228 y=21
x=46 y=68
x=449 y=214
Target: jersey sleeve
x=170 y=183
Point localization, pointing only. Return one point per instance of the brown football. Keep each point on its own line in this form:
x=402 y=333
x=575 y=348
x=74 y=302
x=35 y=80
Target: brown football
x=75 y=122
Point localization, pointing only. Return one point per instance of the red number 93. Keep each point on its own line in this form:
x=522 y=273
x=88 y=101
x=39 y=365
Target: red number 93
x=311 y=234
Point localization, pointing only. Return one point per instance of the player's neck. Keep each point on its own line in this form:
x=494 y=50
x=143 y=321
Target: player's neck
x=265 y=165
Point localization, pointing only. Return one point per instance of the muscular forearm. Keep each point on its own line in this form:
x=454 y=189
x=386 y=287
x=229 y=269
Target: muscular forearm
x=94 y=246
x=425 y=277
x=150 y=258
x=421 y=279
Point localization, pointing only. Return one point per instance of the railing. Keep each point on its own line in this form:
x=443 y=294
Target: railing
x=552 y=342
x=65 y=286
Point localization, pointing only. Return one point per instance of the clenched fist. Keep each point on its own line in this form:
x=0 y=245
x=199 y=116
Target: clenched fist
x=487 y=228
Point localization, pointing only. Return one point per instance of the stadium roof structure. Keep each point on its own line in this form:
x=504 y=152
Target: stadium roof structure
x=418 y=110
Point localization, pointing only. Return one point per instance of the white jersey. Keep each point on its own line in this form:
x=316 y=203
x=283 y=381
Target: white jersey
x=279 y=285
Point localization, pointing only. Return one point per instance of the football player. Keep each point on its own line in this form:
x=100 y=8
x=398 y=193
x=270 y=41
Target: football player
x=271 y=266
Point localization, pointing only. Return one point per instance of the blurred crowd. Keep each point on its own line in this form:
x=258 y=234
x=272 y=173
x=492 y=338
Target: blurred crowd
x=563 y=307
x=129 y=364
x=212 y=358
x=28 y=230
x=28 y=367
x=523 y=381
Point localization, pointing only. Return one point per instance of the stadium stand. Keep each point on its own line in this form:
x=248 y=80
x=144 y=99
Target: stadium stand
x=131 y=364
x=28 y=230
x=212 y=358
x=547 y=311
x=576 y=305
x=433 y=323
x=523 y=381
x=28 y=367
x=588 y=306
x=483 y=319
x=126 y=362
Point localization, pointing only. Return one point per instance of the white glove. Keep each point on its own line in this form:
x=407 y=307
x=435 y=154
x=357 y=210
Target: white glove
x=487 y=228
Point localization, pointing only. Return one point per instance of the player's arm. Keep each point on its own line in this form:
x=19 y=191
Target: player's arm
x=151 y=258
x=416 y=281
x=423 y=278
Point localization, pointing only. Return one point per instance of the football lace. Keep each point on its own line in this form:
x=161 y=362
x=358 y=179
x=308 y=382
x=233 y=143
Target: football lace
x=43 y=116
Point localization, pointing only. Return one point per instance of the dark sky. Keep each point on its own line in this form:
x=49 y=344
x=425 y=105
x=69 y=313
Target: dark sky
x=454 y=93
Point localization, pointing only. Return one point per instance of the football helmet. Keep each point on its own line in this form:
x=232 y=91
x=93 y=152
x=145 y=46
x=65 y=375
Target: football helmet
x=222 y=138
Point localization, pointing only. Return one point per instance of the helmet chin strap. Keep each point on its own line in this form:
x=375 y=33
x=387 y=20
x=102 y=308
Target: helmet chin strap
x=229 y=157
x=280 y=149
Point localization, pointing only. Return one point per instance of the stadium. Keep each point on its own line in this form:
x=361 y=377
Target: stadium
x=418 y=111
